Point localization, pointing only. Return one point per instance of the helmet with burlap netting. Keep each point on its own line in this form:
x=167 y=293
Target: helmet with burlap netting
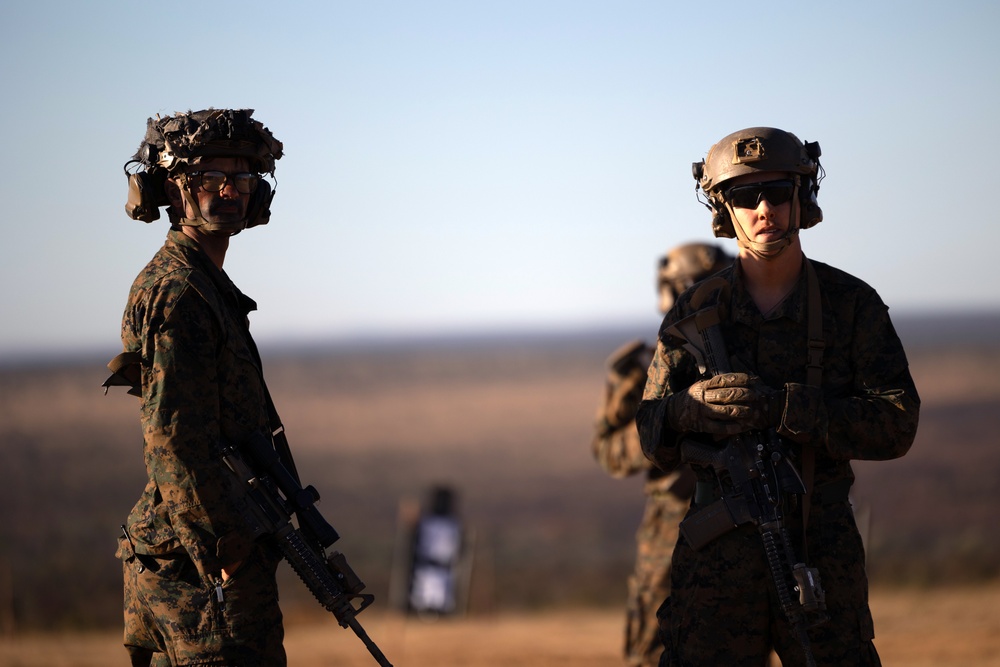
x=174 y=144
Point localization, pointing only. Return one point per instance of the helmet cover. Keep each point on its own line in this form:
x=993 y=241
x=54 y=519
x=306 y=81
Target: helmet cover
x=185 y=138
x=684 y=265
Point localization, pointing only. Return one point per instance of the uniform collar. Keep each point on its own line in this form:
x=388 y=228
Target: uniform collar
x=192 y=250
x=744 y=310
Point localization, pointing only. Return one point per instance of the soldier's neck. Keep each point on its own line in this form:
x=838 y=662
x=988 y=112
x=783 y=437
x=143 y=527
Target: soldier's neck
x=213 y=246
x=769 y=281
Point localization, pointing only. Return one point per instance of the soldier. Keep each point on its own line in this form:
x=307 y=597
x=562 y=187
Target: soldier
x=780 y=313
x=198 y=589
x=616 y=448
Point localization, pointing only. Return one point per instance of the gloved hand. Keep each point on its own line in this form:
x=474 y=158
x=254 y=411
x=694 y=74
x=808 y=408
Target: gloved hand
x=725 y=404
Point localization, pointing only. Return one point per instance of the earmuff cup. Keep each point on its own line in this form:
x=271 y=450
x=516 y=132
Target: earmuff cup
x=145 y=196
x=259 y=206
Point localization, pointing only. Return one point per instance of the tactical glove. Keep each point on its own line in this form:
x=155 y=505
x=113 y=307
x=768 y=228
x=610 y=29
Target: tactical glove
x=726 y=404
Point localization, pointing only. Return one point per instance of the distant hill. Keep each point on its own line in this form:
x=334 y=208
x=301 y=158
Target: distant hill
x=971 y=327
x=958 y=328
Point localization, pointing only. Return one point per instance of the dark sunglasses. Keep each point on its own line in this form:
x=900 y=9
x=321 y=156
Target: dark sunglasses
x=214 y=181
x=750 y=195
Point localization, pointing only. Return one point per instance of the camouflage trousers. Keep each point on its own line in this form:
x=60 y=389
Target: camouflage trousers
x=174 y=617
x=722 y=609
x=649 y=583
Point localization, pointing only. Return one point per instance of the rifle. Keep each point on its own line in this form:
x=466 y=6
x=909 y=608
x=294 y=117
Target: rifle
x=273 y=495
x=755 y=473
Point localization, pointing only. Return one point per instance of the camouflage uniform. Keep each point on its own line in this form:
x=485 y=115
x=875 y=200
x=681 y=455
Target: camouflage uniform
x=201 y=386
x=722 y=609
x=616 y=447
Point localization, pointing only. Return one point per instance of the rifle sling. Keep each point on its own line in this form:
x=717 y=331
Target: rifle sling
x=278 y=437
x=277 y=428
x=281 y=446
x=814 y=377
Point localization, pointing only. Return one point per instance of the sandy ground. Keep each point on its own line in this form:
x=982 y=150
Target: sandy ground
x=953 y=627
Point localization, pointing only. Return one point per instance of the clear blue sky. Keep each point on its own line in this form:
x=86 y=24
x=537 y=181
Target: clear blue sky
x=476 y=166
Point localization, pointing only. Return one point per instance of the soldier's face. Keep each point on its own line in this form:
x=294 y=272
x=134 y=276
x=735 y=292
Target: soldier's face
x=766 y=221
x=227 y=206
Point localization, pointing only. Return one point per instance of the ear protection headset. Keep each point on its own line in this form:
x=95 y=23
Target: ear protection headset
x=145 y=194
x=259 y=206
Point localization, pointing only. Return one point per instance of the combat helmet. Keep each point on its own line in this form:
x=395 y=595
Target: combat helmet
x=184 y=139
x=684 y=265
x=759 y=150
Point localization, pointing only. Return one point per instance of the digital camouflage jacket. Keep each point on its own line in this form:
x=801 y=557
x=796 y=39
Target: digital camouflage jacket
x=870 y=405
x=201 y=386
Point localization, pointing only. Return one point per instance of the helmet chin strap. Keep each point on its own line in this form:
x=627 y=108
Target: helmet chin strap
x=772 y=249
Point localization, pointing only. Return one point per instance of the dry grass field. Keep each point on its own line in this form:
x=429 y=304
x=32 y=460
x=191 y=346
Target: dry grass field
x=507 y=424
x=959 y=627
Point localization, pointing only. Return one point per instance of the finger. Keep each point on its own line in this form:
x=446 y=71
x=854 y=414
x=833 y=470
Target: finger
x=729 y=395
x=727 y=380
x=728 y=412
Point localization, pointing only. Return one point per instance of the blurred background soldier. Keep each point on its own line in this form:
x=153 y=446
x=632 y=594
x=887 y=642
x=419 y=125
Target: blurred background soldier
x=198 y=588
x=616 y=447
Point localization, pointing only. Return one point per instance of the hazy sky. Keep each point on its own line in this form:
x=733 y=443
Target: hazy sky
x=477 y=166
